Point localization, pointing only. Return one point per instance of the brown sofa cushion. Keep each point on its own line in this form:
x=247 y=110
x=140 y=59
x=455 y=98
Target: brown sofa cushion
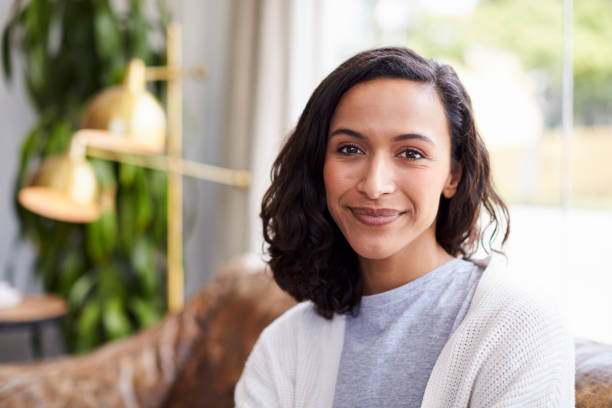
x=593 y=374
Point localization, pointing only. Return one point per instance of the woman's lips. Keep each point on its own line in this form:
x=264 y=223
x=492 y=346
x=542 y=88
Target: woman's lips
x=375 y=216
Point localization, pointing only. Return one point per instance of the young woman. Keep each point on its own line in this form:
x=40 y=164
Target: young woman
x=371 y=219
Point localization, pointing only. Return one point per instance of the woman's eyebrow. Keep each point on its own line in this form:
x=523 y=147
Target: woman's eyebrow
x=346 y=132
x=408 y=136
x=399 y=138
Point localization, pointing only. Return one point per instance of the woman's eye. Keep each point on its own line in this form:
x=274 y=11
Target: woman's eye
x=349 y=149
x=411 y=154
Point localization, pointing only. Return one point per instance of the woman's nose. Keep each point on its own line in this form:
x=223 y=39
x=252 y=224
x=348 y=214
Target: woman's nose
x=377 y=179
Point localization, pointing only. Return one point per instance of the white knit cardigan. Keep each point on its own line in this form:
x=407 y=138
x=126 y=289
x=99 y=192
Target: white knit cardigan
x=508 y=352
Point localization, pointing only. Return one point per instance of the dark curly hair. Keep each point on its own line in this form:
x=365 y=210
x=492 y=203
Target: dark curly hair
x=309 y=256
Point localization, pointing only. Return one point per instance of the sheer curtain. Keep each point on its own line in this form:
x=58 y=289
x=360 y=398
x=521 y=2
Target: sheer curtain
x=274 y=65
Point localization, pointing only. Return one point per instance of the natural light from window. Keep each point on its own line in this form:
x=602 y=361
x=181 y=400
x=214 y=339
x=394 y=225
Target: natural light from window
x=509 y=54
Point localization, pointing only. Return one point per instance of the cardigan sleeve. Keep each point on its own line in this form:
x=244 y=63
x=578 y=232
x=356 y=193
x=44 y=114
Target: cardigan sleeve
x=294 y=363
x=268 y=378
x=256 y=388
x=530 y=362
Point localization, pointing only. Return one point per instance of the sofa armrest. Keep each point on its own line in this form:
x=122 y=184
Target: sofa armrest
x=190 y=356
x=593 y=374
x=215 y=364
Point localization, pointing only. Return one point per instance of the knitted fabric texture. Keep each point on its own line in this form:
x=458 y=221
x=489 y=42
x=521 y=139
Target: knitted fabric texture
x=509 y=351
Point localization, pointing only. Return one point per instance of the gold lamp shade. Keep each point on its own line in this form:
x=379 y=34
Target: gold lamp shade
x=126 y=118
x=63 y=188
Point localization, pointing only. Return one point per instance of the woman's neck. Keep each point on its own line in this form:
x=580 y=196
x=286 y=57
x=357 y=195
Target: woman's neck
x=414 y=261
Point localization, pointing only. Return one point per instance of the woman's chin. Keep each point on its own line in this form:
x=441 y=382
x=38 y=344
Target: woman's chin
x=373 y=252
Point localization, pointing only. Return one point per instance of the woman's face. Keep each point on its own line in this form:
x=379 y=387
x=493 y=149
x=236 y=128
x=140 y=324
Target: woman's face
x=387 y=163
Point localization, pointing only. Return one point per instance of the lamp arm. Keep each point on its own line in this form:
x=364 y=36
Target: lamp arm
x=165 y=73
x=221 y=175
x=80 y=148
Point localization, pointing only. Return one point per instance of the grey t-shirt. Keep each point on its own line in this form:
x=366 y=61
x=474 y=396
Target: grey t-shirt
x=391 y=345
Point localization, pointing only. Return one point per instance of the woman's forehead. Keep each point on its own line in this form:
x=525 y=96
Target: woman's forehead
x=391 y=106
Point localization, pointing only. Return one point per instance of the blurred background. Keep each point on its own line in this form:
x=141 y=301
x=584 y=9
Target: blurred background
x=539 y=74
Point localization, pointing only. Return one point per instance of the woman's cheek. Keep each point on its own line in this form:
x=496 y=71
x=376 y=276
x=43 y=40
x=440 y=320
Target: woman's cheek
x=333 y=175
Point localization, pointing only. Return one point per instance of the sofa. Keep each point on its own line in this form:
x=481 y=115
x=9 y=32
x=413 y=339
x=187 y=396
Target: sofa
x=194 y=358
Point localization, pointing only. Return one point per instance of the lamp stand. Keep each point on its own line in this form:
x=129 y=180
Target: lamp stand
x=176 y=274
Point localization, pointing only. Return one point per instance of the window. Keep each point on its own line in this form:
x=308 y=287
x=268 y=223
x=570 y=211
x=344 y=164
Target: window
x=509 y=54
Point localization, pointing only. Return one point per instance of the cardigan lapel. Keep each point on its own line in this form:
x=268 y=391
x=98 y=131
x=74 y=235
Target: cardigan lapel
x=319 y=352
x=439 y=390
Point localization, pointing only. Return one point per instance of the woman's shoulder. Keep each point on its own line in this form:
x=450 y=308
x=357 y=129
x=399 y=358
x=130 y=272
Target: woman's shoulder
x=508 y=320
x=291 y=319
x=301 y=319
x=510 y=345
x=498 y=298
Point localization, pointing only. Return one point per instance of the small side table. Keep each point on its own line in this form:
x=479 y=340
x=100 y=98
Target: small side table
x=33 y=312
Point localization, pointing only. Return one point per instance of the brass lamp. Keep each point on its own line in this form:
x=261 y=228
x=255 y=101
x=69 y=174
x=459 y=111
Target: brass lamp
x=64 y=188
x=126 y=124
x=126 y=118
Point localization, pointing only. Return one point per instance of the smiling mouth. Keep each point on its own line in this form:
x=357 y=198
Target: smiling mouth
x=375 y=216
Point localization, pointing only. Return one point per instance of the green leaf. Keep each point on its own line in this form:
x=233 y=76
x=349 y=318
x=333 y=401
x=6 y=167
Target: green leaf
x=140 y=45
x=80 y=290
x=37 y=20
x=143 y=256
x=59 y=138
x=126 y=206
x=116 y=70
x=71 y=268
x=159 y=190
x=7 y=63
x=144 y=206
x=127 y=174
x=108 y=40
x=104 y=173
x=146 y=312
x=111 y=283
x=88 y=326
x=115 y=320
x=137 y=31
x=47 y=265
x=35 y=74
x=101 y=236
x=93 y=242
x=30 y=147
x=12 y=24
x=108 y=231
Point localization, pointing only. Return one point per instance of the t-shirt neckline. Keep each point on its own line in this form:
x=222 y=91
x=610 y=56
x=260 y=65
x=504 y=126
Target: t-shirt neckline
x=414 y=286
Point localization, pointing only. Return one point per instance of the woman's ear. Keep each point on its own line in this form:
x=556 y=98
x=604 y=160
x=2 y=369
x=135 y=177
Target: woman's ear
x=450 y=188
